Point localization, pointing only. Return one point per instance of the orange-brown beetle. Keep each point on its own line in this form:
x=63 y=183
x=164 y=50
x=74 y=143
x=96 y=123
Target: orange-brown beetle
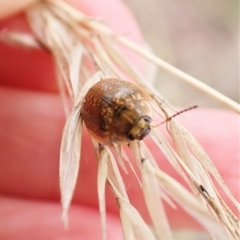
x=116 y=111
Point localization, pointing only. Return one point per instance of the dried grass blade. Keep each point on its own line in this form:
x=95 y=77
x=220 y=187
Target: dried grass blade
x=114 y=175
x=122 y=155
x=75 y=59
x=118 y=153
x=219 y=207
x=116 y=56
x=205 y=161
x=140 y=228
x=137 y=228
x=152 y=192
x=101 y=183
x=72 y=13
x=127 y=227
x=126 y=212
x=69 y=165
x=71 y=147
x=102 y=55
x=149 y=157
x=200 y=171
x=62 y=91
x=19 y=39
x=191 y=205
x=182 y=163
x=55 y=36
x=167 y=150
x=154 y=203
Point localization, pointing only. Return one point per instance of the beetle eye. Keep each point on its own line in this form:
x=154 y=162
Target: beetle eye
x=147 y=119
x=144 y=133
x=130 y=137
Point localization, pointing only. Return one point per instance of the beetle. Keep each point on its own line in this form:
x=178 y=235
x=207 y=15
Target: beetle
x=117 y=111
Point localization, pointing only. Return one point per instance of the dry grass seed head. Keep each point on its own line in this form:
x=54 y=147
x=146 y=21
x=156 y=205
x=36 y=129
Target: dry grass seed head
x=75 y=39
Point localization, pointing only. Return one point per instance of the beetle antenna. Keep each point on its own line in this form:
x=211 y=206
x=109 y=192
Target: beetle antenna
x=176 y=114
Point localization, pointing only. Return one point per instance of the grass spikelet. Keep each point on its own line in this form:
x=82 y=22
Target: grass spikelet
x=85 y=52
x=151 y=195
x=102 y=178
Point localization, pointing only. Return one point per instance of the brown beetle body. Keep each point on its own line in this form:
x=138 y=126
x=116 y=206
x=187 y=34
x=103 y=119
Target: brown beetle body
x=116 y=110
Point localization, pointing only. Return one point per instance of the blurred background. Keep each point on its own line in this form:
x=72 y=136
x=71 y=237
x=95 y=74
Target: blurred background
x=200 y=38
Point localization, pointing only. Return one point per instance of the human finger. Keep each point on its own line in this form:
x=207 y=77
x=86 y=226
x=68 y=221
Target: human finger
x=24 y=219
x=11 y=7
x=34 y=69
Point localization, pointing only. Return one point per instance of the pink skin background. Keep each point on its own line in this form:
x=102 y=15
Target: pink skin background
x=31 y=122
